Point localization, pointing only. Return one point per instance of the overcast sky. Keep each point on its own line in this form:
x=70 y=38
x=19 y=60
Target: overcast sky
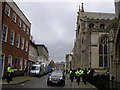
x=54 y=23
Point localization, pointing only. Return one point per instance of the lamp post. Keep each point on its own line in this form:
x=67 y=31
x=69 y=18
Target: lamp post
x=90 y=49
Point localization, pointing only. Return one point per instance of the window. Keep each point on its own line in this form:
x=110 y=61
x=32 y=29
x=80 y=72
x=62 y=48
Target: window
x=26 y=46
x=5 y=31
x=16 y=63
x=12 y=37
x=91 y=25
x=2 y=58
x=10 y=60
x=101 y=61
x=78 y=29
x=14 y=17
x=18 y=41
x=22 y=44
x=102 y=26
x=100 y=49
x=19 y=23
x=21 y=64
x=103 y=52
x=25 y=63
x=23 y=27
x=7 y=10
x=28 y=30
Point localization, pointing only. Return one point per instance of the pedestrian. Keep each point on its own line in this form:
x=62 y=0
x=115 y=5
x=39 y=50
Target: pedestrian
x=12 y=72
x=85 y=76
x=82 y=72
x=78 y=74
x=8 y=74
x=26 y=70
x=72 y=76
x=70 y=72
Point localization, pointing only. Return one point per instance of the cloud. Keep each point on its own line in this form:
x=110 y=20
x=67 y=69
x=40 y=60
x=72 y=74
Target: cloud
x=54 y=23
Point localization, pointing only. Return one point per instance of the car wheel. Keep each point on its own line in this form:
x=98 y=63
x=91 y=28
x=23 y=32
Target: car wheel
x=63 y=83
x=48 y=83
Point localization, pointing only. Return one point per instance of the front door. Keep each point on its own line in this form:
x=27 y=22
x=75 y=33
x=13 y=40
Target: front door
x=1 y=67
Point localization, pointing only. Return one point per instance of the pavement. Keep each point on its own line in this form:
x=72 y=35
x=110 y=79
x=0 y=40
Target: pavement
x=18 y=79
x=22 y=79
x=82 y=85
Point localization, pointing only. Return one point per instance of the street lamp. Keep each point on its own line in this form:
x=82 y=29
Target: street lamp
x=90 y=49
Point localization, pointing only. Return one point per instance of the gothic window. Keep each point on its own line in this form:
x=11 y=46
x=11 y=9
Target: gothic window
x=91 y=25
x=102 y=26
x=103 y=52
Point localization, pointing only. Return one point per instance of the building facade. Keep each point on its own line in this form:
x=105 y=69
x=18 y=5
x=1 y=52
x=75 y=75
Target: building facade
x=43 y=53
x=69 y=58
x=15 y=38
x=91 y=49
x=33 y=55
x=115 y=44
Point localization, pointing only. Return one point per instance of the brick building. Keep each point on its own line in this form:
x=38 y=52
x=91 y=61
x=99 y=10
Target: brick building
x=15 y=38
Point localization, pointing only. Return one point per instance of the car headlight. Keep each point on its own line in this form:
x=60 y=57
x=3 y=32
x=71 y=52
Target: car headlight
x=37 y=71
x=50 y=78
x=61 y=77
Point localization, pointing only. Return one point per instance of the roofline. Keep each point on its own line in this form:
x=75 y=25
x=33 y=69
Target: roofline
x=21 y=12
x=43 y=46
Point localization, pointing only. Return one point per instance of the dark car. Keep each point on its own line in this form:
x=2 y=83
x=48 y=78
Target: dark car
x=56 y=77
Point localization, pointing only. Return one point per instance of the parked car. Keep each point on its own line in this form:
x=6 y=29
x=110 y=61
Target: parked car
x=56 y=77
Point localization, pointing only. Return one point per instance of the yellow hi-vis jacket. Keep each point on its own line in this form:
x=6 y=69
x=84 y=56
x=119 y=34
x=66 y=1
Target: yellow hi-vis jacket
x=8 y=69
x=78 y=73
x=70 y=71
x=88 y=72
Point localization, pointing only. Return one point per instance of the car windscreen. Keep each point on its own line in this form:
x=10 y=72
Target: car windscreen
x=56 y=74
x=35 y=68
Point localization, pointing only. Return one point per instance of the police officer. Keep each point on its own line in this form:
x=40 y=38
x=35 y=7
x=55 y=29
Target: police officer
x=85 y=76
x=12 y=72
x=8 y=73
x=82 y=72
x=70 y=72
x=78 y=75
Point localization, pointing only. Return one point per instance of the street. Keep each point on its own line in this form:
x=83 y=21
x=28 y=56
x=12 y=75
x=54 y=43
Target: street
x=40 y=82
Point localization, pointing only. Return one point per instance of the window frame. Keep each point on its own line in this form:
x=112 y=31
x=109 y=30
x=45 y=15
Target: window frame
x=25 y=63
x=21 y=64
x=16 y=64
x=19 y=22
x=17 y=41
x=8 y=12
x=5 y=33
x=12 y=38
x=10 y=60
x=23 y=27
x=23 y=43
x=26 y=46
x=28 y=31
x=14 y=17
x=104 y=42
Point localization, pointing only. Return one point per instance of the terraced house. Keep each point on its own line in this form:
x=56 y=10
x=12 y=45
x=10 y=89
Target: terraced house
x=15 y=38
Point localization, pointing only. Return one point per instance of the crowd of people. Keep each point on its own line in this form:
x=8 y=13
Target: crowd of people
x=81 y=74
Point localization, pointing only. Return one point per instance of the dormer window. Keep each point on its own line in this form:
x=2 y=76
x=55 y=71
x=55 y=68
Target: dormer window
x=91 y=25
x=102 y=26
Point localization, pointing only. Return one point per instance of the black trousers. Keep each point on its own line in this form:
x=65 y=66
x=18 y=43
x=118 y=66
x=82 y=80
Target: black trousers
x=8 y=77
